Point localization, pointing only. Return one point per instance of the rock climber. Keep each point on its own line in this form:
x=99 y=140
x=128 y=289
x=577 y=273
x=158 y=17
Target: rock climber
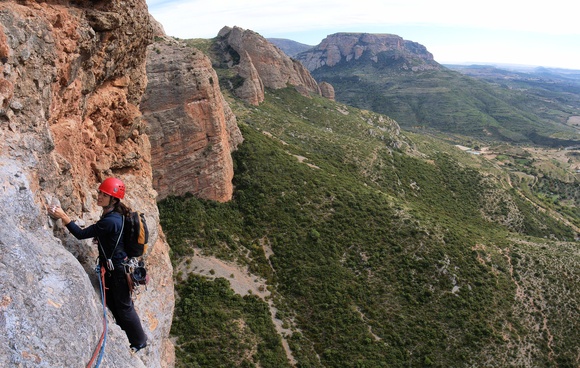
x=107 y=234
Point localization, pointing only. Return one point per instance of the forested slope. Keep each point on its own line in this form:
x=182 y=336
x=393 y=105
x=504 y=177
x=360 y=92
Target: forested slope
x=379 y=248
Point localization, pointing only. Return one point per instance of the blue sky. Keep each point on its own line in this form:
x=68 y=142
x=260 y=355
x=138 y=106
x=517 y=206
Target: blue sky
x=454 y=31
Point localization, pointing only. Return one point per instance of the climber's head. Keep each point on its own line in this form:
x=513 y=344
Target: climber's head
x=111 y=191
x=113 y=187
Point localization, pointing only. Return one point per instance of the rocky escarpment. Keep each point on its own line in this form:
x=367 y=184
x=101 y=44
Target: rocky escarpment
x=260 y=64
x=379 y=48
x=192 y=129
x=71 y=77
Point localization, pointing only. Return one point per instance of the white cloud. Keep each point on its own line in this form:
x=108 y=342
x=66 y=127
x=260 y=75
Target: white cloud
x=309 y=21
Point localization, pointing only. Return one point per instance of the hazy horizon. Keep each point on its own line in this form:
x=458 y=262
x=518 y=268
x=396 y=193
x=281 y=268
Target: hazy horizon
x=514 y=32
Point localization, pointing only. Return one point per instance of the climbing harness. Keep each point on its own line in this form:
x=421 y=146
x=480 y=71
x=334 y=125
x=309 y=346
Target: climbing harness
x=110 y=265
x=100 y=348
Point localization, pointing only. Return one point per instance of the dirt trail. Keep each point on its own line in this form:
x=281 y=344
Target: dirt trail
x=241 y=281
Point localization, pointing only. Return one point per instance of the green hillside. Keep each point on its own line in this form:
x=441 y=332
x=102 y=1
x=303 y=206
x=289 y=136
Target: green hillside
x=388 y=249
x=450 y=102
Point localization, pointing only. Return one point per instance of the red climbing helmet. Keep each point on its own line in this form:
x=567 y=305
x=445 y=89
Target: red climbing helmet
x=113 y=187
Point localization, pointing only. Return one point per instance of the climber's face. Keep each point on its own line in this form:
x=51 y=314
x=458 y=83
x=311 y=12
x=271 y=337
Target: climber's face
x=103 y=199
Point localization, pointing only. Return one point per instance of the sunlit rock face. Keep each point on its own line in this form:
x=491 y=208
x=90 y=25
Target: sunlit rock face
x=349 y=47
x=261 y=65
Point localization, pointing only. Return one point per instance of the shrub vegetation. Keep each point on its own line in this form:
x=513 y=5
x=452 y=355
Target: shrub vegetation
x=382 y=255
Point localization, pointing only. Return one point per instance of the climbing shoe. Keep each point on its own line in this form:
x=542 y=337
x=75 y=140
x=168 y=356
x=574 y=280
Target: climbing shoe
x=136 y=348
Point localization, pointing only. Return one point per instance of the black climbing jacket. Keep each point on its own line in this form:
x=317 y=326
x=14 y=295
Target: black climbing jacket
x=107 y=230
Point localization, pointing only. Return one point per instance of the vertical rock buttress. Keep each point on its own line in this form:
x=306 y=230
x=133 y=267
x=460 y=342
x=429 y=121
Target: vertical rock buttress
x=191 y=127
x=72 y=74
x=261 y=65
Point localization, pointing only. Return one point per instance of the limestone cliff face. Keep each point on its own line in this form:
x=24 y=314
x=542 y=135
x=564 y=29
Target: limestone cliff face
x=192 y=129
x=347 y=47
x=261 y=64
x=72 y=74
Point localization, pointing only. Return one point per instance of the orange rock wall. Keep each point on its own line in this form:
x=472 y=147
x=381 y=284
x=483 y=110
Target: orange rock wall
x=191 y=127
x=72 y=74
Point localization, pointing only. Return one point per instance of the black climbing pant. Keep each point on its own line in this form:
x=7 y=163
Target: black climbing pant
x=121 y=305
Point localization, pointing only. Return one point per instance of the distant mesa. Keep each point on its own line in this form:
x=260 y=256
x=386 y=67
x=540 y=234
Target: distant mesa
x=348 y=47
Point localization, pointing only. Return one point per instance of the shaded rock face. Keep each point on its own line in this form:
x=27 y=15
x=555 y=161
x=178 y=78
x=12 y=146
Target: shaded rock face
x=347 y=47
x=71 y=77
x=261 y=65
x=192 y=129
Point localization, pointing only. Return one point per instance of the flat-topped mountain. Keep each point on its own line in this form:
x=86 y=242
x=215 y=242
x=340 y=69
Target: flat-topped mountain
x=378 y=48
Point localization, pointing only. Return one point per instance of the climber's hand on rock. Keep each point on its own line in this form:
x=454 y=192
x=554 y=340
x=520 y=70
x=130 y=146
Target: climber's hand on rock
x=58 y=213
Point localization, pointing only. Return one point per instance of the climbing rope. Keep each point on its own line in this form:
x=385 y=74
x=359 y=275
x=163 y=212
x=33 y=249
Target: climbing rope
x=100 y=348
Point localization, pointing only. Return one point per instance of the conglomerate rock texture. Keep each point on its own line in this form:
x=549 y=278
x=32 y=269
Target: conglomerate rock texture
x=191 y=127
x=72 y=74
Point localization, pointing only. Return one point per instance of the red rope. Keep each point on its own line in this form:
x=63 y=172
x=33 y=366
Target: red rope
x=100 y=343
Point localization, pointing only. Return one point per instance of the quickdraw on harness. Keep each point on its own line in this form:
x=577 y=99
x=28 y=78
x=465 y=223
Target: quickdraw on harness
x=100 y=348
x=136 y=275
